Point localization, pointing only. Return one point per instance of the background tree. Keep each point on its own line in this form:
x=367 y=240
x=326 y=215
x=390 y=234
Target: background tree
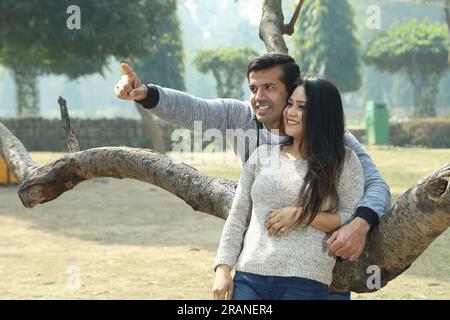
x=164 y=66
x=326 y=43
x=34 y=39
x=419 y=50
x=164 y=63
x=226 y=65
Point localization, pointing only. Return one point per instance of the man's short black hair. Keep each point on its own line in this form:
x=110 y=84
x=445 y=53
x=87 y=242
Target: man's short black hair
x=291 y=71
x=269 y=60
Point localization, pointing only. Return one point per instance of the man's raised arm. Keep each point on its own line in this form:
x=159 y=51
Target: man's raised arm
x=182 y=108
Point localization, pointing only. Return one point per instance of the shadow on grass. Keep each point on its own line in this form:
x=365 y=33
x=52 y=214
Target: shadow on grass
x=114 y=211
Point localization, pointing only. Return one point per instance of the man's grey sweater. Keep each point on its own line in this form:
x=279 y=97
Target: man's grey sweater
x=270 y=180
x=236 y=121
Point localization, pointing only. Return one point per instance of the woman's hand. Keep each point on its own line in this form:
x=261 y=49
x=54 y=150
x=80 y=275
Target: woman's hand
x=282 y=220
x=223 y=283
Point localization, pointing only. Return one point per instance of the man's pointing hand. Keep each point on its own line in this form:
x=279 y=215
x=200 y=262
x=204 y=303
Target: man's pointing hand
x=130 y=86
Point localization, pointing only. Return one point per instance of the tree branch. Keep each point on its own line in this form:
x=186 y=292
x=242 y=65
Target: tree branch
x=46 y=183
x=71 y=139
x=289 y=29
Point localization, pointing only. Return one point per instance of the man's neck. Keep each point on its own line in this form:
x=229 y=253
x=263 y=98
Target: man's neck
x=276 y=129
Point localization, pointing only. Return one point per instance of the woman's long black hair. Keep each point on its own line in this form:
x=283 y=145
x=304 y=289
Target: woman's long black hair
x=322 y=145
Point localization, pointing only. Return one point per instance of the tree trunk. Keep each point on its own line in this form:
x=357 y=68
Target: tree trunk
x=426 y=89
x=27 y=92
x=152 y=128
x=271 y=27
x=420 y=215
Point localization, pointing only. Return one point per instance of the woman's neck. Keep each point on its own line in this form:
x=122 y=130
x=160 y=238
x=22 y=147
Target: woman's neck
x=294 y=148
x=296 y=142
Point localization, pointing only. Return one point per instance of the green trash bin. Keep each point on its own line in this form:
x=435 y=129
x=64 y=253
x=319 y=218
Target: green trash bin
x=377 y=123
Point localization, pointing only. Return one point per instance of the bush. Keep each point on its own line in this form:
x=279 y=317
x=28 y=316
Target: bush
x=430 y=133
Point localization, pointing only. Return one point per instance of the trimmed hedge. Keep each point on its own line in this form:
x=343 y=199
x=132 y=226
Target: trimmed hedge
x=429 y=133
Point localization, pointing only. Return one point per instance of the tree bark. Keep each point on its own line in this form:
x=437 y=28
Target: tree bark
x=420 y=215
x=271 y=27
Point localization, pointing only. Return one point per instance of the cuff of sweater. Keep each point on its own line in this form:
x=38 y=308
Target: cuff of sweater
x=228 y=261
x=152 y=98
x=369 y=215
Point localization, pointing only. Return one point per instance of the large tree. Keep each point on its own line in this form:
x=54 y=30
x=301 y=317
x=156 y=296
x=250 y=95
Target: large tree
x=419 y=50
x=420 y=215
x=326 y=43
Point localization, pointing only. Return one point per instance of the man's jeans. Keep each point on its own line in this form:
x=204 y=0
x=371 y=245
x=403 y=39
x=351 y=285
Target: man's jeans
x=249 y=286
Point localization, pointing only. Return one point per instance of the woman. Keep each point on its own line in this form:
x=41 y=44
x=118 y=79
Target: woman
x=317 y=173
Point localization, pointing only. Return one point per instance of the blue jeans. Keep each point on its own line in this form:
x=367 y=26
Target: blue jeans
x=249 y=286
x=339 y=296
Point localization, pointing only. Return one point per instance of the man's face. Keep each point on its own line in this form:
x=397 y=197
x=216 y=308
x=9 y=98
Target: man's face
x=268 y=96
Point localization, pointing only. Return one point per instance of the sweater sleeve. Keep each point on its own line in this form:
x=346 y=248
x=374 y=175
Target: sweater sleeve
x=232 y=239
x=377 y=196
x=350 y=186
x=185 y=110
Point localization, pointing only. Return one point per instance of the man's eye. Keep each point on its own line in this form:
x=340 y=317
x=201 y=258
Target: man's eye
x=253 y=89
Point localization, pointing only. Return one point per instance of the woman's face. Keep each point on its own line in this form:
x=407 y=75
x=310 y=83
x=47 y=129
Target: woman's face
x=293 y=113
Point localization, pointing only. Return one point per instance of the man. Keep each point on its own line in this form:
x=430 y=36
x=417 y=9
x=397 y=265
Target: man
x=259 y=121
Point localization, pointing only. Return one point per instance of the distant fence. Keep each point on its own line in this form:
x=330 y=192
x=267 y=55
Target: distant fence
x=38 y=134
